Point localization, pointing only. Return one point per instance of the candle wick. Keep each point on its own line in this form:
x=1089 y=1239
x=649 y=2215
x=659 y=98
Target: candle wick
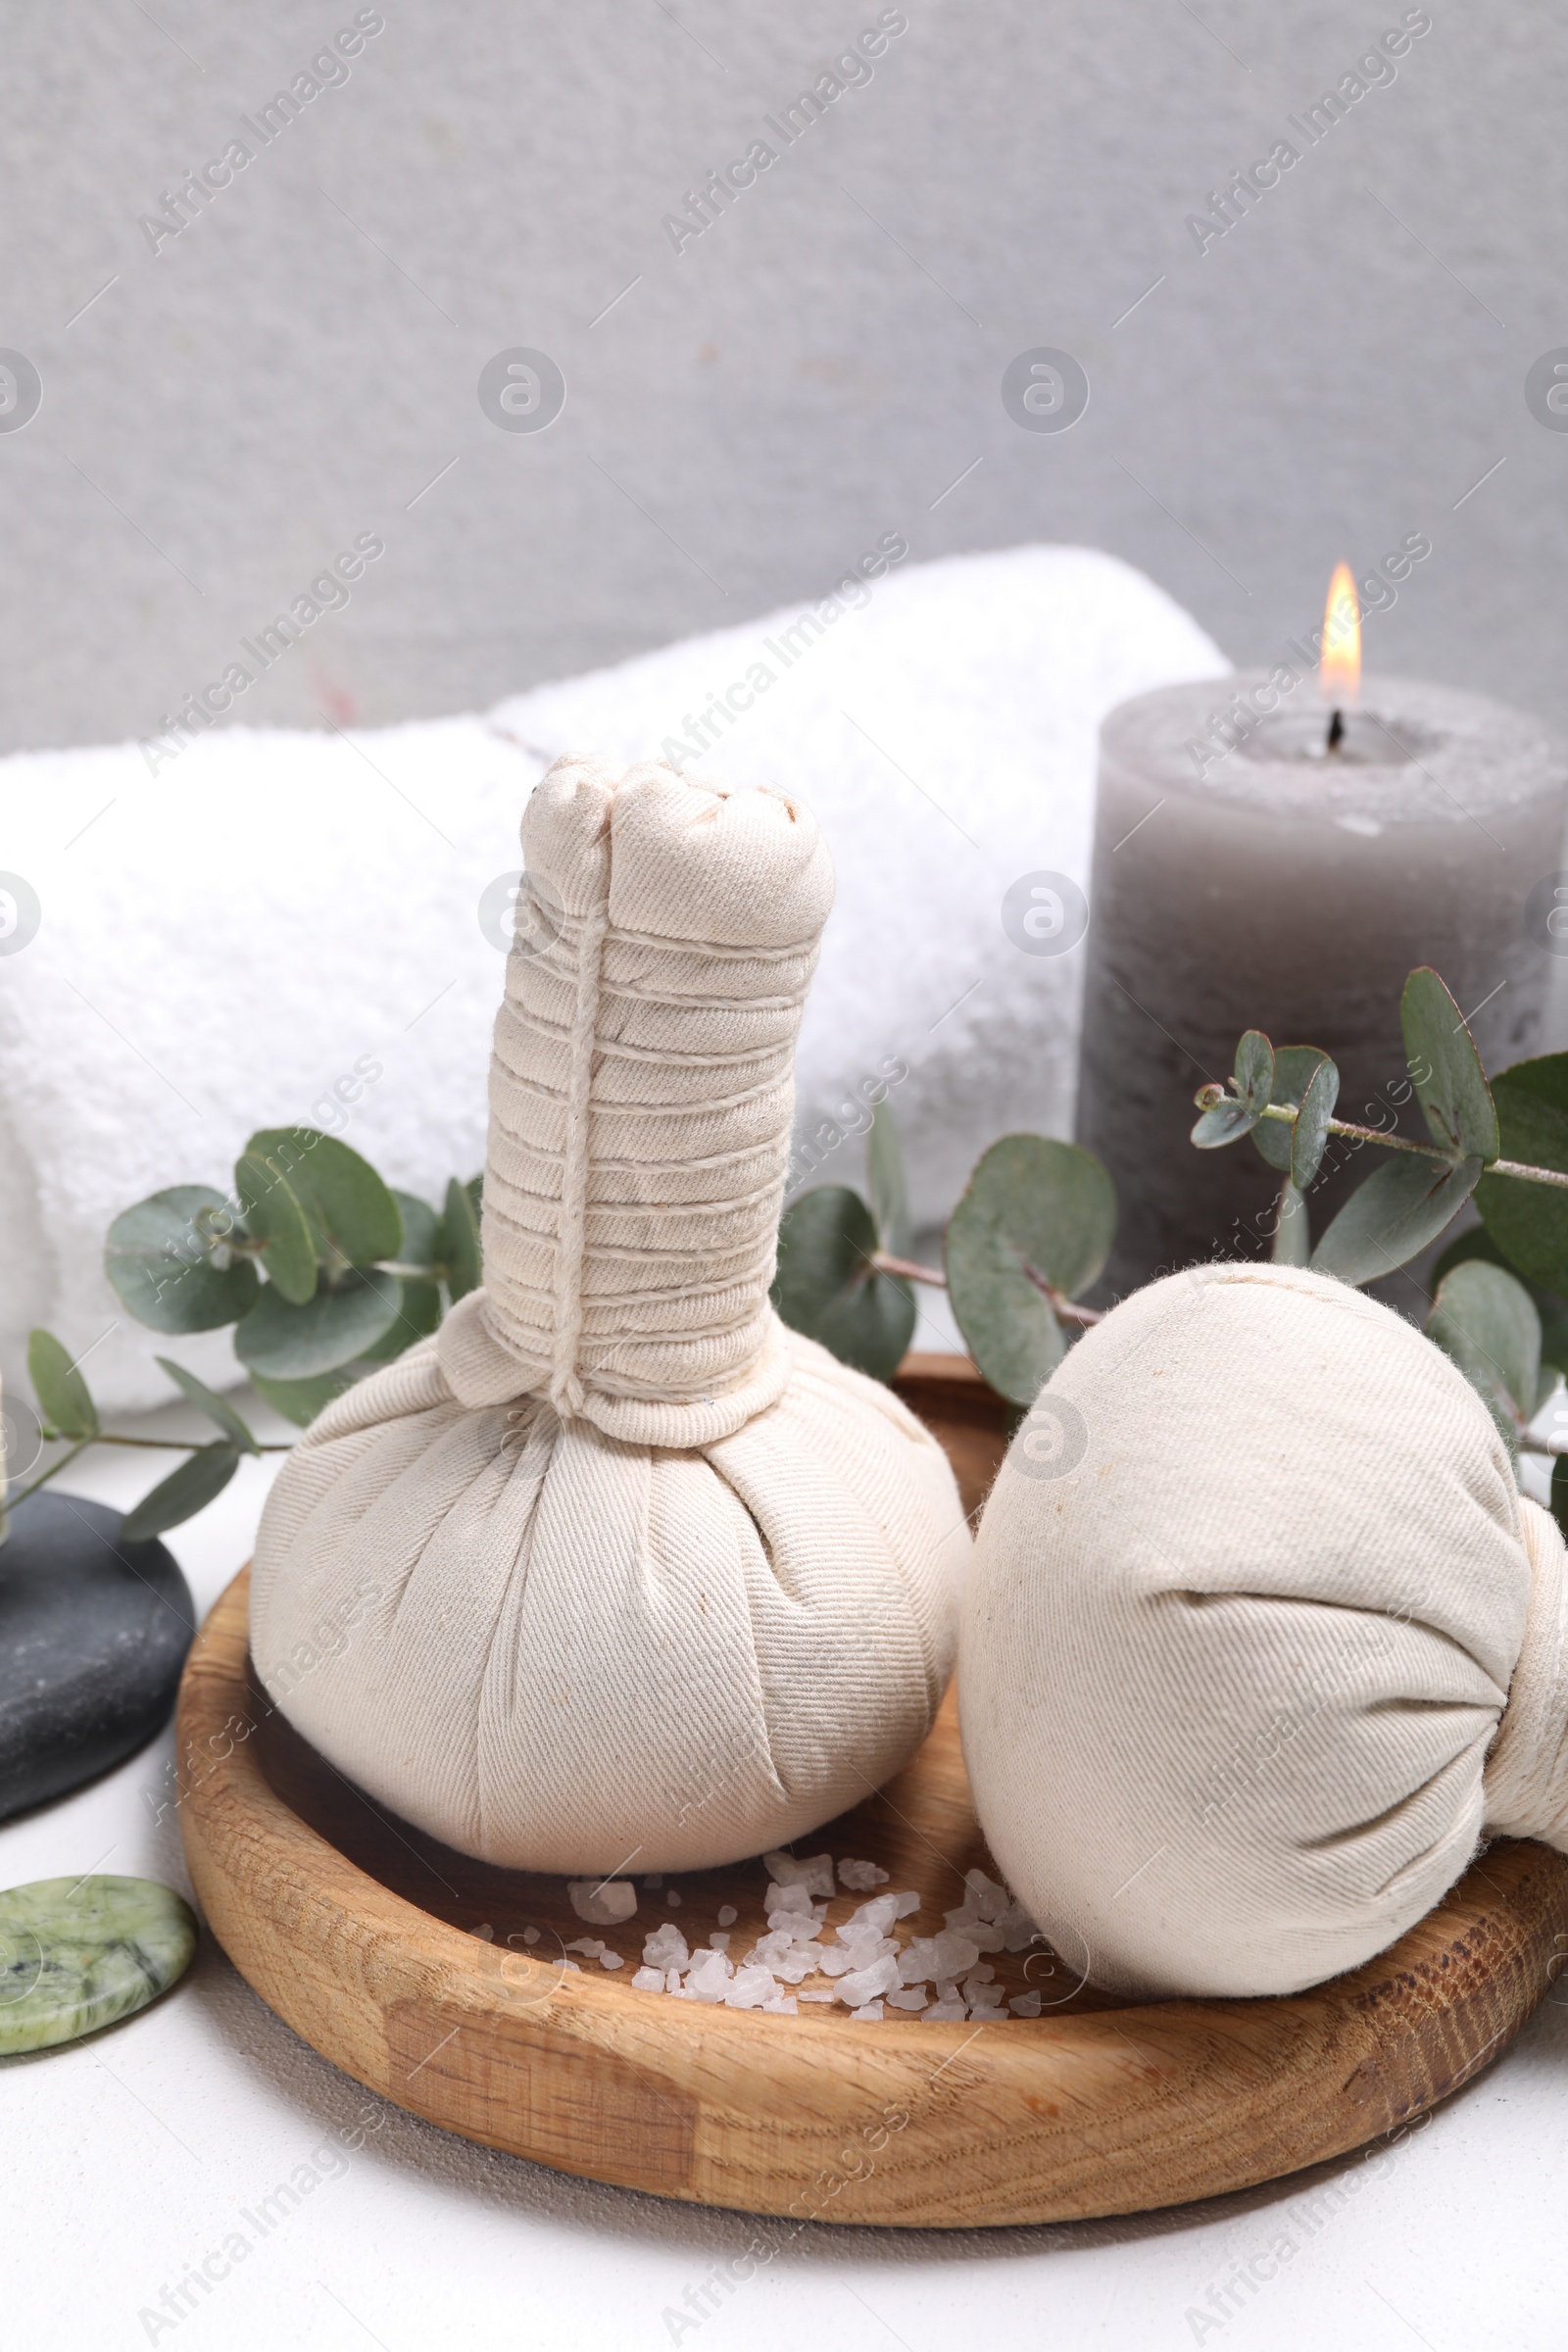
x=1336 y=734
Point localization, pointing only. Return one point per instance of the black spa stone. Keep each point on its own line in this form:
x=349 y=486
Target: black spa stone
x=93 y=1634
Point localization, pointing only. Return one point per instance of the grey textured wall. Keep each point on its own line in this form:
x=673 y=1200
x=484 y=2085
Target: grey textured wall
x=818 y=366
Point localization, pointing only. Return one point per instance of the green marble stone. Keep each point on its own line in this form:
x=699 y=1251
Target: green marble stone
x=77 y=1953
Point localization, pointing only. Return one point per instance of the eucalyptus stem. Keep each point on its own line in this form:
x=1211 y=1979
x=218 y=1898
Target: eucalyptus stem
x=44 y=1476
x=1066 y=1309
x=1402 y=1143
x=105 y=1437
x=883 y=1261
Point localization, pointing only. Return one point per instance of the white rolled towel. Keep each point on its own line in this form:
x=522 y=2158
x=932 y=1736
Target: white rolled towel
x=283 y=928
x=1260 y=1639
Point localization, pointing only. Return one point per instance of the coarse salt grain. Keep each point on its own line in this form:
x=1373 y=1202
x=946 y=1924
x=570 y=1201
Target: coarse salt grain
x=672 y=1897
x=865 y=1983
x=590 y=1946
x=944 y=2013
x=1025 y=2004
x=870 y=2015
x=816 y=1875
x=728 y=1915
x=601 y=1903
x=861 y=1876
x=529 y=1936
x=751 y=1988
x=649 y=1979
x=817 y=1996
x=611 y=1960
x=486 y=1934
x=913 y=1996
x=666 y=1946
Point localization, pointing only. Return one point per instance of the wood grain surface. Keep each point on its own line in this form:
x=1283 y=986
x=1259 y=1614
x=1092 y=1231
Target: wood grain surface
x=414 y=1969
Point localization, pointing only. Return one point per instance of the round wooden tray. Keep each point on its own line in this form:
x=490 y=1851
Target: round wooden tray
x=390 y=1954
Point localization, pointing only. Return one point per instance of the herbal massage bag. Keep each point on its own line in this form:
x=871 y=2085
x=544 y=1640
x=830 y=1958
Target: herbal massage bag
x=615 y=1571
x=1260 y=1638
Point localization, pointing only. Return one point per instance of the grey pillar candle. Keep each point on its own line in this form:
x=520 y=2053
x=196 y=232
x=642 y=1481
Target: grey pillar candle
x=1278 y=886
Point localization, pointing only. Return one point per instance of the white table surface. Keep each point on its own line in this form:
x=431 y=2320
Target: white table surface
x=134 y=2156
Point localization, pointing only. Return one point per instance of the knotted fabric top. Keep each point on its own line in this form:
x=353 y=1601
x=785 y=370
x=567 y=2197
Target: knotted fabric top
x=1251 y=1600
x=642 y=1088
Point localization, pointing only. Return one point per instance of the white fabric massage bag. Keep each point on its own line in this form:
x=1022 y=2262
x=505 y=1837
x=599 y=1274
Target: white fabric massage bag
x=616 y=1572
x=1260 y=1638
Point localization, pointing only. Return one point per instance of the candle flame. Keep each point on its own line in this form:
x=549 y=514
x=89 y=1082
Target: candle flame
x=1340 y=670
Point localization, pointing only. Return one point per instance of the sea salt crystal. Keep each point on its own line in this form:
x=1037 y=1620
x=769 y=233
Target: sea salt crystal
x=672 y=1982
x=529 y=1936
x=649 y=1979
x=982 y=1999
x=590 y=1946
x=602 y=1902
x=944 y=2013
x=666 y=1946
x=816 y=1875
x=982 y=1934
x=870 y=2015
x=913 y=1996
x=800 y=1960
x=865 y=1983
x=718 y=1942
x=817 y=1996
x=1017 y=1929
x=728 y=1915
x=710 y=1976
x=981 y=1975
x=751 y=1988
x=486 y=1934
x=611 y=1960
x=1025 y=2004
x=861 y=1876
x=783 y=2006
x=951 y=1953
x=986 y=1897
x=877 y=1915
x=800 y=1918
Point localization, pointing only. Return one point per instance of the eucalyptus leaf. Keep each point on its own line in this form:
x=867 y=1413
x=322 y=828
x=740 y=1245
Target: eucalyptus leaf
x=1293 y=1067
x=217 y=1408
x=461 y=1251
x=63 y=1394
x=827 y=1288
x=1402 y=1207
x=884 y=1166
x=1551 y=1310
x=1224 y=1123
x=274 y=1217
x=1530 y=1222
x=421 y=1245
x=1254 y=1070
x=1486 y=1320
x=300 y=1401
x=1036 y=1215
x=283 y=1341
x=1310 y=1133
x=1293 y=1233
x=181 y=1495
x=163 y=1270
x=353 y=1215
x=1450 y=1084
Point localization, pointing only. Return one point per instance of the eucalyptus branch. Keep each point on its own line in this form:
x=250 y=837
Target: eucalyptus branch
x=1286 y=1112
x=1066 y=1309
